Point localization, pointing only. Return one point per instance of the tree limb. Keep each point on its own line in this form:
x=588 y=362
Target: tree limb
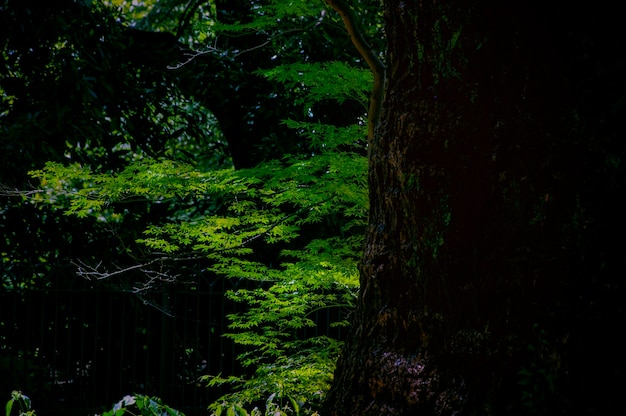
x=374 y=63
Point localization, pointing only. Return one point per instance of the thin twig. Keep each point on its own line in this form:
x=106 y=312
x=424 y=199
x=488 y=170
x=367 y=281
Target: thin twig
x=213 y=49
x=6 y=190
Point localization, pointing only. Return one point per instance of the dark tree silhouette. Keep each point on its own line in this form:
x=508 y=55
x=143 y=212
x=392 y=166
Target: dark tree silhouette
x=491 y=260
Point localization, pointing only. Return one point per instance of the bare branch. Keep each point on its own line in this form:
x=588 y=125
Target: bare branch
x=190 y=56
x=96 y=272
x=6 y=190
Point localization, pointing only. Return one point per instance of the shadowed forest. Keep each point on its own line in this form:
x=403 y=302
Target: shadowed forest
x=311 y=208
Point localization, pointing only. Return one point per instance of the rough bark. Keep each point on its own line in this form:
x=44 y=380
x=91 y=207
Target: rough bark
x=467 y=270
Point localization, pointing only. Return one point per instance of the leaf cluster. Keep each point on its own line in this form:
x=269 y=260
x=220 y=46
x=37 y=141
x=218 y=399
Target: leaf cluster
x=245 y=210
x=139 y=404
x=290 y=228
x=20 y=403
x=314 y=82
x=271 y=15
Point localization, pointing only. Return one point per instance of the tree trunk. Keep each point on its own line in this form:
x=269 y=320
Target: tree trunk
x=473 y=273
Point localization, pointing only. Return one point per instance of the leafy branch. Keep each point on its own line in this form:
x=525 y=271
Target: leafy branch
x=374 y=63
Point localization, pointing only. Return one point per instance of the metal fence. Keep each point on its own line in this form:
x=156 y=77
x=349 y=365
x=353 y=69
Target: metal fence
x=78 y=350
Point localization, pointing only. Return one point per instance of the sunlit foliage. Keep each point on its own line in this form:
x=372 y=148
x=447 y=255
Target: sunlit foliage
x=291 y=227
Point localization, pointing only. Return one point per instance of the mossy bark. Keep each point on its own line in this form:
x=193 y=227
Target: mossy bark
x=467 y=271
